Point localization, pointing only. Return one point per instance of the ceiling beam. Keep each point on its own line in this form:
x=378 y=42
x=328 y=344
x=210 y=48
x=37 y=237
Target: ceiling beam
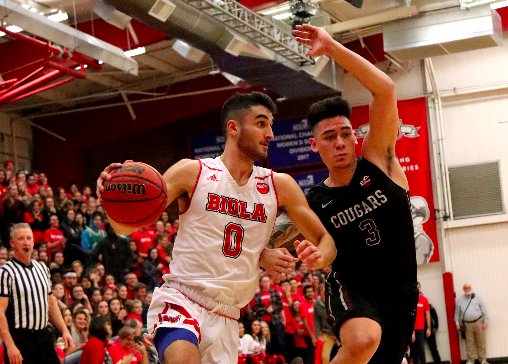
x=370 y=20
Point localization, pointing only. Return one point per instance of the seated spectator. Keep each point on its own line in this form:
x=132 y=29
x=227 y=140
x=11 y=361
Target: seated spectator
x=122 y=293
x=81 y=224
x=265 y=337
x=131 y=279
x=107 y=293
x=33 y=217
x=59 y=293
x=78 y=295
x=69 y=280
x=53 y=237
x=35 y=254
x=127 y=348
x=94 y=352
x=77 y=267
x=241 y=332
x=31 y=184
x=87 y=284
x=57 y=257
x=253 y=343
x=67 y=317
x=152 y=269
x=140 y=291
x=43 y=256
x=93 y=233
x=79 y=329
x=146 y=305
x=109 y=280
x=99 y=268
x=117 y=314
x=96 y=297
x=135 y=324
x=102 y=308
x=134 y=309
x=164 y=258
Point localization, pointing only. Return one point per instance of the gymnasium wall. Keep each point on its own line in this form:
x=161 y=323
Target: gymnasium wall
x=15 y=141
x=474 y=88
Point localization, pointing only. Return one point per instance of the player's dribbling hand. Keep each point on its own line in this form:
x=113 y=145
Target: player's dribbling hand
x=309 y=254
x=317 y=38
x=14 y=354
x=277 y=262
x=105 y=176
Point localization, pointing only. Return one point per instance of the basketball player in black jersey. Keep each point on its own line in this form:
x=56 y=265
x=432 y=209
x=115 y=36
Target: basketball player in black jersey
x=364 y=205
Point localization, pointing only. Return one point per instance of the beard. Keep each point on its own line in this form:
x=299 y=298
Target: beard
x=248 y=146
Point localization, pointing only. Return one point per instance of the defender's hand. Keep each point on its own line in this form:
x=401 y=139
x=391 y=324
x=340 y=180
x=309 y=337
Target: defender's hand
x=309 y=254
x=317 y=38
x=105 y=176
x=277 y=262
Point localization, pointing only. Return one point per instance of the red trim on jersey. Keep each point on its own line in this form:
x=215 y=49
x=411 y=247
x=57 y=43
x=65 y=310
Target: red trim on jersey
x=213 y=169
x=275 y=189
x=195 y=186
x=262 y=177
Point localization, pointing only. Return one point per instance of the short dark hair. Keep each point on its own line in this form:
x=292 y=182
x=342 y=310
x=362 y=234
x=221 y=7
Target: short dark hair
x=98 y=327
x=238 y=105
x=97 y=213
x=328 y=108
x=139 y=286
x=306 y=287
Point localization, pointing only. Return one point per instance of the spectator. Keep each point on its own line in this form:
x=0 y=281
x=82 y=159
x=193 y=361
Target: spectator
x=417 y=351
x=53 y=237
x=94 y=352
x=33 y=217
x=57 y=257
x=43 y=180
x=164 y=218
x=107 y=293
x=471 y=311
x=268 y=307
x=67 y=317
x=13 y=211
x=253 y=343
x=131 y=280
x=431 y=340
x=70 y=279
x=302 y=269
x=115 y=252
x=266 y=336
x=117 y=315
x=93 y=233
x=127 y=348
x=109 y=280
x=122 y=293
x=101 y=271
x=4 y=253
x=59 y=292
x=87 y=193
x=78 y=295
x=162 y=243
x=241 y=332
x=31 y=184
x=23 y=192
x=152 y=269
x=140 y=291
x=301 y=349
x=307 y=316
x=79 y=329
x=134 y=309
x=73 y=188
x=96 y=297
x=69 y=228
x=144 y=240
x=77 y=267
x=322 y=328
x=102 y=308
x=48 y=209
x=159 y=227
x=146 y=305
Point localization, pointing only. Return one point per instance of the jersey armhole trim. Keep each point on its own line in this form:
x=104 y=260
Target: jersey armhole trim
x=275 y=189
x=195 y=186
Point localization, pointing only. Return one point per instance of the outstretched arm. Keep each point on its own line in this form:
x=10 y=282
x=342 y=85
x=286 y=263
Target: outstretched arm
x=379 y=143
x=319 y=251
x=180 y=178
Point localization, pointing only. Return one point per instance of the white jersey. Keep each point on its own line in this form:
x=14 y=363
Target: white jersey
x=223 y=233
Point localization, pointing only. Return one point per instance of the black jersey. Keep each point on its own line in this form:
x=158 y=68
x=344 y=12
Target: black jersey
x=371 y=223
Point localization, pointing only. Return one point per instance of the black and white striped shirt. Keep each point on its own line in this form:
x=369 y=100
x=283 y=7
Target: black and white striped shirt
x=28 y=288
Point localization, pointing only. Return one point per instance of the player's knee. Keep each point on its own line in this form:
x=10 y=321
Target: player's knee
x=363 y=343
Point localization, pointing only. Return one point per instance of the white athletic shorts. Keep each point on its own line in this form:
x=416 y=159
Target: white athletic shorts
x=217 y=335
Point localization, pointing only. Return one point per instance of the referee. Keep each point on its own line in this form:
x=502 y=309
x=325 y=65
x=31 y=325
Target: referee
x=26 y=305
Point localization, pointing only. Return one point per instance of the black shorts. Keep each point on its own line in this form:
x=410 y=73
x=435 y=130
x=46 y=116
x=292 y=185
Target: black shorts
x=395 y=313
x=36 y=346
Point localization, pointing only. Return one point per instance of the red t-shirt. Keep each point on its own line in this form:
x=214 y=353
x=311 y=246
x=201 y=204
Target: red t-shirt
x=32 y=190
x=50 y=236
x=265 y=301
x=93 y=352
x=299 y=339
x=423 y=305
x=307 y=310
x=117 y=353
x=287 y=309
x=144 y=240
x=130 y=293
x=162 y=257
x=133 y=315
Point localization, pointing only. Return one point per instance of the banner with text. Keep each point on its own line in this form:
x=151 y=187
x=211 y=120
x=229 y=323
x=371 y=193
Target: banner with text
x=412 y=150
x=206 y=145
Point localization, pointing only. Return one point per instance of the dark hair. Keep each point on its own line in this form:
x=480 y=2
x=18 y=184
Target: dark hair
x=292 y=279
x=306 y=287
x=98 y=327
x=54 y=253
x=161 y=236
x=328 y=108
x=139 y=285
x=97 y=213
x=238 y=105
x=293 y=311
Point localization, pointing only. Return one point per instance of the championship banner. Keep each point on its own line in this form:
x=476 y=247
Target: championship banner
x=206 y=145
x=412 y=150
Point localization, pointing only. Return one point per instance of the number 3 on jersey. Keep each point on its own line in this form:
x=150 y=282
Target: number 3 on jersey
x=233 y=237
x=371 y=227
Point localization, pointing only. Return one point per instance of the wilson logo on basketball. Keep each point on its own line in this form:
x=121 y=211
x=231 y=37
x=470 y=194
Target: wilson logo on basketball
x=365 y=181
x=263 y=188
x=127 y=188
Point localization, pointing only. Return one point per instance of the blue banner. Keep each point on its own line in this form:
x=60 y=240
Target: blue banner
x=291 y=146
x=206 y=145
x=308 y=179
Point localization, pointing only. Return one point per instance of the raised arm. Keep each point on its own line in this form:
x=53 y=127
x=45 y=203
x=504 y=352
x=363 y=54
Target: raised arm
x=379 y=143
x=180 y=178
x=293 y=202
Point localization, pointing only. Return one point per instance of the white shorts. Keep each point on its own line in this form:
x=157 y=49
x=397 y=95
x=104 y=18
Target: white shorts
x=217 y=335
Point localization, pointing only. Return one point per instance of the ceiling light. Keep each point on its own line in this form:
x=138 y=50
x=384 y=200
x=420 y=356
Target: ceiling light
x=100 y=62
x=275 y=9
x=135 y=52
x=58 y=17
x=14 y=29
x=282 y=16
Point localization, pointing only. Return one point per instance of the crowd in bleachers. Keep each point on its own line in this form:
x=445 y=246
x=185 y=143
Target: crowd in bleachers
x=104 y=282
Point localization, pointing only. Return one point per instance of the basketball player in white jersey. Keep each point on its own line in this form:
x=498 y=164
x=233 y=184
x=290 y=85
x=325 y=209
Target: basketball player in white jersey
x=227 y=211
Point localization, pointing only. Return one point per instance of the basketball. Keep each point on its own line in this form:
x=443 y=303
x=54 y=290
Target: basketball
x=135 y=196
